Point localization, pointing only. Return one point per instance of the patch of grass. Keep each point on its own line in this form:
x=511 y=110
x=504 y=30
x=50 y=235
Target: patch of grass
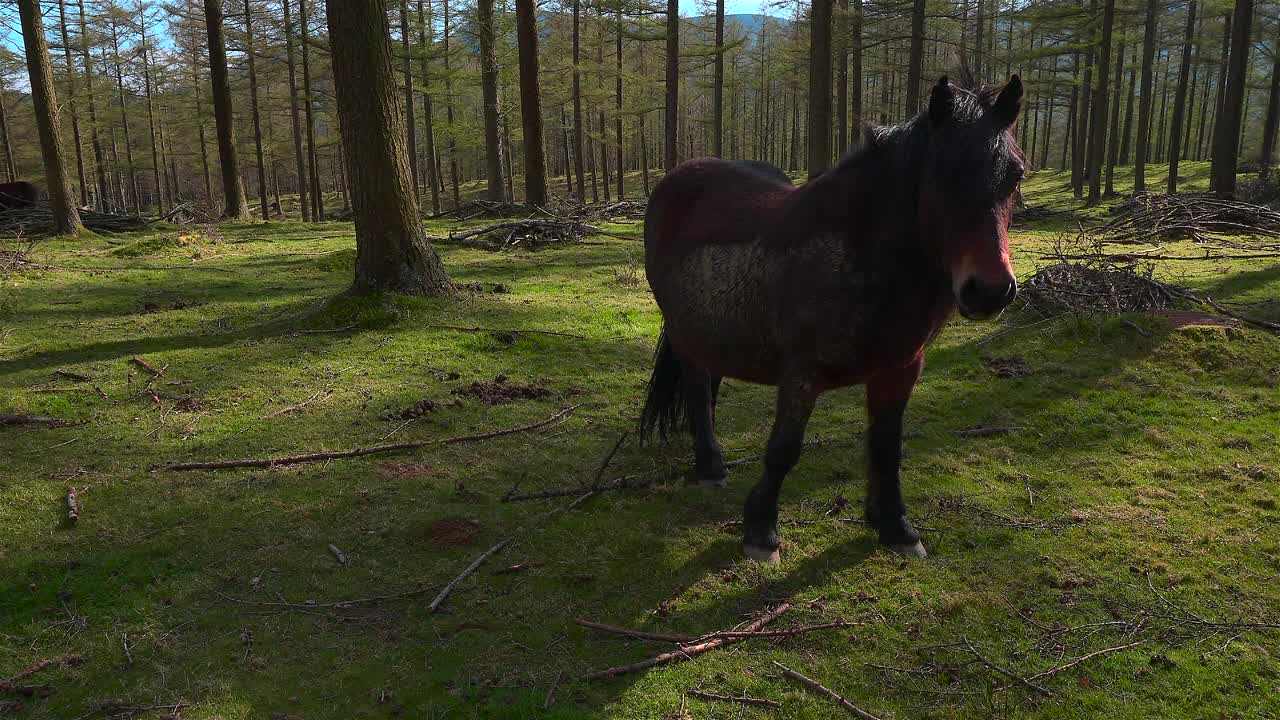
x=1144 y=457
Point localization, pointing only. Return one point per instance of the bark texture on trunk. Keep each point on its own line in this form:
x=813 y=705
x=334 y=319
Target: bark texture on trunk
x=819 y=87
x=1180 y=100
x=232 y=187
x=535 y=161
x=1144 y=102
x=671 y=147
x=489 y=92
x=1222 y=173
x=62 y=204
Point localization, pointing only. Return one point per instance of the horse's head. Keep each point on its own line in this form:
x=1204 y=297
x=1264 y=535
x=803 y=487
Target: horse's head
x=970 y=174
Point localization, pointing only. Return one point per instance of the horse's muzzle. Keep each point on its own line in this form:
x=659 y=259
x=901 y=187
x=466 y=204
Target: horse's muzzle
x=979 y=300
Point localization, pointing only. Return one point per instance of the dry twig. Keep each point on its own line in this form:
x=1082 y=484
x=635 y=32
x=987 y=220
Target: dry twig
x=824 y=690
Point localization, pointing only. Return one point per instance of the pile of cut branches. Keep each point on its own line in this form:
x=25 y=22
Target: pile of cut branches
x=474 y=209
x=622 y=209
x=1098 y=287
x=523 y=233
x=38 y=220
x=1150 y=217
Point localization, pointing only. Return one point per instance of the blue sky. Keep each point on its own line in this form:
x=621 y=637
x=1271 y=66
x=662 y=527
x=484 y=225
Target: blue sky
x=731 y=7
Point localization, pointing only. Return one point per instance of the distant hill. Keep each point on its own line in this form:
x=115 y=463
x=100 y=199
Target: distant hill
x=751 y=23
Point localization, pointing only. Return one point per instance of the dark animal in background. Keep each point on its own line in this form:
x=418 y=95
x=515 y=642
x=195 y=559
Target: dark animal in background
x=17 y=195
x=842 y=281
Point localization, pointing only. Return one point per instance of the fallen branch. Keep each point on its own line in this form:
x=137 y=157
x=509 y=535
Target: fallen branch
x=1011 y=675
x=448 y=589
x=637 y=634
x=1067 y=665
x=511 y=331
x=14 y=420
x=73 y=505
x=72 y=375
x=981 y=432
x=741 y=700
x=1256 y=322
x=824 y=690
x=689 y=651
x=337 y=554
x=299 y=406
x=360 y=452
x=790 y=632
x=145 y=365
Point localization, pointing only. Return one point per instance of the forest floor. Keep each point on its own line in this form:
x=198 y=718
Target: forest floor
x=1131 y=511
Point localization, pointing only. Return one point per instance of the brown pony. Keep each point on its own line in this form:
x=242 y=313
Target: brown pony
x=842 y=281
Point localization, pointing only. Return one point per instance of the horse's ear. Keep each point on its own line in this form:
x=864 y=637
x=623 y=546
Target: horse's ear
x=940 y=101
x=1009 y=102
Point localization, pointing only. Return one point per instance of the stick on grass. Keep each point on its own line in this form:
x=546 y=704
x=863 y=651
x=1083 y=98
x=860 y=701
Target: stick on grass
x=821 y=689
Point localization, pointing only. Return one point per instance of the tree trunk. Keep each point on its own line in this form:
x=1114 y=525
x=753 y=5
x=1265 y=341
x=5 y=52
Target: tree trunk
x=411 y=131
x=62 y=204
x=717 y=102
x=819 y=87
x=426 y=36
x=232 y=188
x=912 y=94
x=124 y=119
x=535 y=163
x=10 y=169
x=299 y=157
x=257 y=118
x=855 y=74
x=1081 y=172
x=1222 y=173
x=1144 y=104
x=604 y=132
x=99 y=163
x=1180 y=100
x=71 y=104
x=448 y=110
x=489 y=90
x=313 y=160
x=617 y=95
x=980 y=26
x=568 y=161
x=1069 y=140
x=1273 y=113
x=1127 y=134
x=1113 y=147
x=392 y=253
x=157 y=166
x=840 y=44
x=671 y=148
x=578 y=159
x=1098 y=122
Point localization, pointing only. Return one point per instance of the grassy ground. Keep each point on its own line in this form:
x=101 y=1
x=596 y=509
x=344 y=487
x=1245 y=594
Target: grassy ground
x=1144 y=478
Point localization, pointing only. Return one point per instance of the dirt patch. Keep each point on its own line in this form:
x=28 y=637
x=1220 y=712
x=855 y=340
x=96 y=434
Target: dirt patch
x=453 y=532
x=1007 y=367
x=153 y=307
x=501 y=391
x=1187 y=318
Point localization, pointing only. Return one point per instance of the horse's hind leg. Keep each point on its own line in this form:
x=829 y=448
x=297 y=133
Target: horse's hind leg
x=700 y=392
x=887 y=395
x=760 y=516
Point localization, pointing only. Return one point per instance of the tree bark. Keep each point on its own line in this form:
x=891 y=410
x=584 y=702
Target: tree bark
x=1081 y=172
x=671 y=147
x=257 y=118
x=1180 y=100
x=980 y=26
x=1098 y=122
x=1273 y=113
x=855 y=74
x=579 y=171
x=717 y=101
x=232 y=187
x=71 y=104
x=313 y=160
x=448 y=109
x=99 y=162
x=44 y=99
x=617 y=120
x=426 y=36
x=840 y=44
x=157 y=166
x=1144 y=104
x=10 y=169
x=124 y=118
x=1113 y=147
x=604 y=132
x=392 y=253
x=489 y=91
x=1222 y=172
x=299 y=157
x=819 y=87
x=535 y=162
x=1126 y=134
x=411 y=131
x=911 y=104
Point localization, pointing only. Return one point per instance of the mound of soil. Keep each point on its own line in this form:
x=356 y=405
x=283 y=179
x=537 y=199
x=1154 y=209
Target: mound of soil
x=453 y=532
x=1007 y=367
x=422 y=408
x=500 y=391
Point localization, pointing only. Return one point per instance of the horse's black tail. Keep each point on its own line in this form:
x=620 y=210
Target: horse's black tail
x=665 y=409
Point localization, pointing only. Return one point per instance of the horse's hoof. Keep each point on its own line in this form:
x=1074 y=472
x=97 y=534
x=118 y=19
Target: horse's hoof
x=910 y=550
x=762 y=554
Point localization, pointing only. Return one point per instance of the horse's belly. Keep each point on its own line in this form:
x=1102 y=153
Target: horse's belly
x=716 y=313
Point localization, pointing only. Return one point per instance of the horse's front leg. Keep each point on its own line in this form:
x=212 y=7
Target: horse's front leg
x=887 y=395
x=760 y=517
